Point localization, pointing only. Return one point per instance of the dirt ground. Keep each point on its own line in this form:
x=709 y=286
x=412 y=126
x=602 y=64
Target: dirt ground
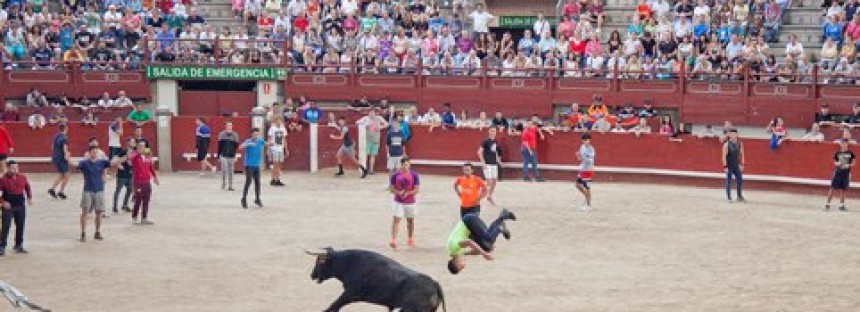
x=643 y=248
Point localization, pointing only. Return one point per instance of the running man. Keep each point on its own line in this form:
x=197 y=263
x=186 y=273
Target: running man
x=253 y=157
x=92 y=199
x=278 y=149
x=404 y=186
x=228 y=143
x=143 y=171
x=733 y=164
x=491 y=158
x=14 y=187
x=374 y=124
x=61 y=158
x=7 y=146
x=201 y=141
x=347 y=149
x=123 y=175
x=471 y=189
x=472 y=237
x=843 y=160
x=586 y=157
x=394 y=140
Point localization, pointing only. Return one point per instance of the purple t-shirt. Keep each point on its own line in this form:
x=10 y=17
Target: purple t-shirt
x=464 y=44
x=404 y=182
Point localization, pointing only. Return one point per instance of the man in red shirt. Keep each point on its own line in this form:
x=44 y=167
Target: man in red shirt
x=7 y=146
x=142 y=171
x=528 y=149
x=14 y=187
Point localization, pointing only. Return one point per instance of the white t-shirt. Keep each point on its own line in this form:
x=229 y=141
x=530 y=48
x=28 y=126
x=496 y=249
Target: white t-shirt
x=480 y=21
x=113 y=19
x=795 y=48
x=277 y=135
x=113 y=135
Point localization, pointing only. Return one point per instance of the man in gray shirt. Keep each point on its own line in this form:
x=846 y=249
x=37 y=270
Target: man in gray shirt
x=228 y=143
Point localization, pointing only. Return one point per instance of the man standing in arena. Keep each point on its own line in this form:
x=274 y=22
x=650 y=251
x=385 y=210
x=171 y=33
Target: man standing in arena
x=7 y=146
x=278 y=149
x=394 y=140
x=491 y=159
x=14 y=187
x=586 y=156
x=843 y=160
x=202 y=139
x=404 y=185
x=733 y=164
x=528 y=150
x=471 y=190
x=374 y=124
x=61 y=157
x=123 y=175
x=228 y=142
x=115 y=137
x=92 y=199
x=347 y=149
x=143 y=171
x=253 y=157
x=472 y=233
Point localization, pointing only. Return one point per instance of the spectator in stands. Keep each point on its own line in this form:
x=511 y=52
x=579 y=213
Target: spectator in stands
x=431 y=119
x=58 y=116
x=814 y=134
x=601 y=124
x=641 y=128
x=647 y=111
x=105 y=100
x=90 y=119
x=823 y=117
x=449 y=120
x=139 y=116
x=846 y=135
x=122 y=100
x=666 y=126
x=62 y=100
x=481 y=20
x=707 y=132
x=499 y=122
x=36 y=120
x=10 y=113
x=853 y=120
x=35 y=98
x=778 y=132
x=42 y=56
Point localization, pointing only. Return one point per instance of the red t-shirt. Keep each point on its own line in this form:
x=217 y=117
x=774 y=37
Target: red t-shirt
x=529 y=138
x=301 y=23
x=5 y=140
x=141 y=168
x=578 y=47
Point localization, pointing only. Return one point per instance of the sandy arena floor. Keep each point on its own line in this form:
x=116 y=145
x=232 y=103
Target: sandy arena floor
x=644 y=248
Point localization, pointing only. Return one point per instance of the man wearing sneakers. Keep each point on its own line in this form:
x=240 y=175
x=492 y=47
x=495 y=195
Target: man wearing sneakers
x=277 y=149
x=394 y=140
x=843 y=160
x=347 y=149
x=472 y=237
x=374 y=124
x=228 y=142
x=123 y=175
x=61 y=158
x=143 y=171
x=14 y=187
x=92 y=199
x=733 y=164
x=491 y=158
x=404 y=186
x=471 y=189
x=586 y=156
x=253 y=157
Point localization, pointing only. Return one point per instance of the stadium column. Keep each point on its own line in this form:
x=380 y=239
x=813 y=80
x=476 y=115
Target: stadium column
x=267 y=92
x=314 y=146
x=163 y=128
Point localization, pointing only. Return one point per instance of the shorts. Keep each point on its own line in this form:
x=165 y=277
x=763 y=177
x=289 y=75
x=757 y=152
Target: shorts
x=402 y=210
x=840 y=181
x=276 y=155
x=62 y=165
x=394 y=162
x=347 y=151
x=470 y=210
x=93 y=201
x=3 y=157
x=372 y=148
x=113 y=151
x=584 y=179
x=491 y=171
x=202 y=154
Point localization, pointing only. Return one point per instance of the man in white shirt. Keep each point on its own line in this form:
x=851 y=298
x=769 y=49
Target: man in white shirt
x=481 y=20
x=814 y=134
x=105 y=100
x=349 y=7
x=541 y=26
x=283 y=20
x=122 y=100
x=296 y=7
x=368 y=42
x=661 y=10
x=278 y=148
x=112 y=17
x=432 y=119
x=446 y=40
x=683 y=28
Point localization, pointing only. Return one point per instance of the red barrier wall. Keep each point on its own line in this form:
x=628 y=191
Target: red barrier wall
x=183 y=130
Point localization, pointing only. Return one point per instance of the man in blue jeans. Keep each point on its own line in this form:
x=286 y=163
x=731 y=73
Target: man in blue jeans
x=733 y=164
x=472 y=237
x=253 y=157
x=528 y=149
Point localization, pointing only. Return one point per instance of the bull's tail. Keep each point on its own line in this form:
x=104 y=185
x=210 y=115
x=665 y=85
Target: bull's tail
x=441 y=296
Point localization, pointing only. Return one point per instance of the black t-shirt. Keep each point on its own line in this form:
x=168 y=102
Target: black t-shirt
x=166 y=57
x=490 y=151
x=156 y=22
x=418 y=8
x=648 y=44
x=141 y=139
x=819 y=117
x=347 y=140
x=499 y=122
x=43 y=55
x=84 y=38
x=667 y=47
x=124 y=170
x=102 y=55
x=843 y=158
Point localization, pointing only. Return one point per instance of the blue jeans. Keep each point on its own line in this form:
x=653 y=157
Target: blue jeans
x=736 y=172
x=529 y=158
x=480 y=234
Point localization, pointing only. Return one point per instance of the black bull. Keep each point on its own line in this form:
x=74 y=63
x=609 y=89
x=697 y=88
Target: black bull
x=370 y=277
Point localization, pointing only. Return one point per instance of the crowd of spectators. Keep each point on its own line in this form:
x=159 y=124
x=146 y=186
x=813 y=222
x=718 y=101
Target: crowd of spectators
x=41 y=110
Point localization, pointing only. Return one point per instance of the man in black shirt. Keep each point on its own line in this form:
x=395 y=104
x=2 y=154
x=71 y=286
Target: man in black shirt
x=843 y=160
x=347 y=149
x=733 y=164
x=854 y=118
x=500 y=122
x=491 y=158
x=42 y=56
x=823 y=117
x=108 y=37
x=102 y=57
x=123 y=175
x=166 y=55
x=84 y=39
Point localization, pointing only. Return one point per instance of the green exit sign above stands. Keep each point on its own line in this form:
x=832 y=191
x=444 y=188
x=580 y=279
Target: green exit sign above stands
x=220 y=73
x=522 y=22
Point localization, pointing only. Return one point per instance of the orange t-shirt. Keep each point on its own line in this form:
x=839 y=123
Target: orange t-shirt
x=470 y=191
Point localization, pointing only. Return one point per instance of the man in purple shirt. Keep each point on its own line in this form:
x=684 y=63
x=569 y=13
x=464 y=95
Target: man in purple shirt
x=465 y=42
x=404 y=186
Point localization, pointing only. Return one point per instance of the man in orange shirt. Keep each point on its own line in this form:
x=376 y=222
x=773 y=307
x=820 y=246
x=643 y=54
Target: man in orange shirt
x=471 y=189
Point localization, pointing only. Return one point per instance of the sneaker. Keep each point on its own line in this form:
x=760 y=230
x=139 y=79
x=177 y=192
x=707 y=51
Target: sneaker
x=272 y=183
x=214 y=169
x=410 y=242
x=371 y=173
x=339 y=173
x=539 y=179
x=742 y=200
x=508 y=215
x=505 y=232
x=244 y=203
x=20 y=250
x=134 y=221
x=730 y=201
x=827 y=207
x=126 y=209
x=230 y=189
x=842 y=208
x=62 y=195
x=279 y=183
x=392 y=243
x=115 y=211
x=363 y=171
x=146 y=222
x=98 y=236
x=52 y=193
x=527 y=180
x=83 y=237
x=585 y=207
x=259 y=203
